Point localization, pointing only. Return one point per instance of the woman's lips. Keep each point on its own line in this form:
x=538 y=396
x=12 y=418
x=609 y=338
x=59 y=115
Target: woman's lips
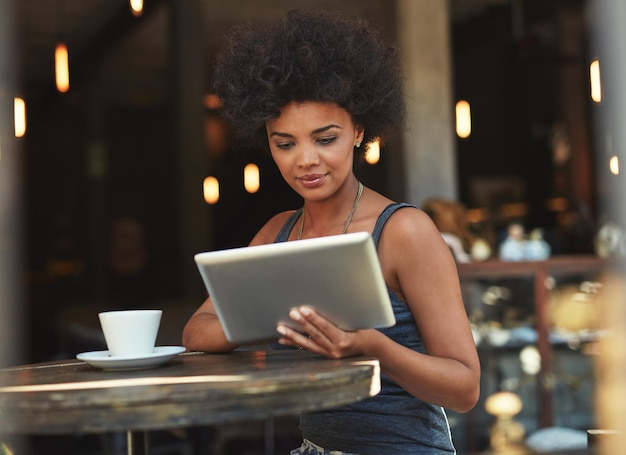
x=312 y=180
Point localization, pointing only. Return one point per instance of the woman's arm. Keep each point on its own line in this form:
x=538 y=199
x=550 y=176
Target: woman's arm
x=418 y=266
x=426 y=277
x=203 y=331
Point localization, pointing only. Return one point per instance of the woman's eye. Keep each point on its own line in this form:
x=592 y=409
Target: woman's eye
x=284 y=145
x=326 y=140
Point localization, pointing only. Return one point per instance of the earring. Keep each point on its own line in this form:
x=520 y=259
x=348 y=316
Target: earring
x=358 y=144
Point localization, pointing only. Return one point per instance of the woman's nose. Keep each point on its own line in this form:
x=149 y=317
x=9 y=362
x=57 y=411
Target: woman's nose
x=308 y=156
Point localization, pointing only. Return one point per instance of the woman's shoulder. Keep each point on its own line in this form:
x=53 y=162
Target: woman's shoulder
x=409 y=221
x=269 y=231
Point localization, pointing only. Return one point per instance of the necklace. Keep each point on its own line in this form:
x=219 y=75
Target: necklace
x=347 y=223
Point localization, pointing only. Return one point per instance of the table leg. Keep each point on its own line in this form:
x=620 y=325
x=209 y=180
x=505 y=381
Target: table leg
x=137 y=443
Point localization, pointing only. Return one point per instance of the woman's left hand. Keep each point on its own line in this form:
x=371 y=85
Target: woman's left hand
x=320 y=335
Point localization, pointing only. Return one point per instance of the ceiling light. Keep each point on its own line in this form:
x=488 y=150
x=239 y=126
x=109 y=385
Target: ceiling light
x=463 y=119
x=19 y=113
x=594 y=78
x=62 y=68
x=136 y=7
x=614 y=165
x=211 y=190
x=251 y=178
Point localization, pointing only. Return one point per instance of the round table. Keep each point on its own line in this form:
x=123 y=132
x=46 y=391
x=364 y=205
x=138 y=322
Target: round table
x=70 y=397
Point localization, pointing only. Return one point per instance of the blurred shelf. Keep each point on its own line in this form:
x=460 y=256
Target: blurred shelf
x=539 y=272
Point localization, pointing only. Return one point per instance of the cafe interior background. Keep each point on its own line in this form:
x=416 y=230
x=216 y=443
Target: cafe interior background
x=127 y=172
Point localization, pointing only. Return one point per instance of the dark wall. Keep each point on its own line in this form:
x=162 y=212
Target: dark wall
x=516 y=85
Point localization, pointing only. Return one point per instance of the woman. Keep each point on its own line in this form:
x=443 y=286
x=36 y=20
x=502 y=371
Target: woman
x=315 y=88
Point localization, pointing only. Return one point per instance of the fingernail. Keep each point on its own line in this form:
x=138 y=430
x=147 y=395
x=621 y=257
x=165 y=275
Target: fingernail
x=281 y=330
x=295 y=315
x=305 y=311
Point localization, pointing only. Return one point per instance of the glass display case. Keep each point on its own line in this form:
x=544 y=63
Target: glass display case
x=533 y=338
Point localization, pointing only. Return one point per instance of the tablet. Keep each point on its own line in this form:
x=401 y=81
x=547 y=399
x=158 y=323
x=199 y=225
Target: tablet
x=253 y=288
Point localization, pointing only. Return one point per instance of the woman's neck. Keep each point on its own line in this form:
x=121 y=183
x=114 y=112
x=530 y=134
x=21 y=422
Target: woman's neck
x=331 y=216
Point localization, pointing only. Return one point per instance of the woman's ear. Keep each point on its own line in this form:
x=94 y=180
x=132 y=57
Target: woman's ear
x=360 y=132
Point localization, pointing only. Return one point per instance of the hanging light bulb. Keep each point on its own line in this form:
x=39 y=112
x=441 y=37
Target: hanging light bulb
x=251 y=178
x=19 y=114
x=136 y=7
x=62 y=68
x=614 y=165
x=211 y=190
x=372 y=151
x=594 y=79
x=463 y=119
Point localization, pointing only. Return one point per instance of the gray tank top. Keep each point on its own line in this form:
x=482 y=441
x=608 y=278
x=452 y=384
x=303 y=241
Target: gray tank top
x=394 y=421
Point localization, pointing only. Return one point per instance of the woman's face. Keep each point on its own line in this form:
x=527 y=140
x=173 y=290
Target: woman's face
x=312 y=144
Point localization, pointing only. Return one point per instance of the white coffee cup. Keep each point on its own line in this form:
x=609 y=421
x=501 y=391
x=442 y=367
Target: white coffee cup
x=130 y=333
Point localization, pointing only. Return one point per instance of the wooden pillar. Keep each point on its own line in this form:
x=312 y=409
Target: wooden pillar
x=429 y=147
x=12 y=274
x=545 y=379
x=189 y=85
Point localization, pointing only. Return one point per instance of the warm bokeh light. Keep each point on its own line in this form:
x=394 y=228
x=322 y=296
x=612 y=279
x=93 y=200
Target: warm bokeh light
x=530 y=358
x=463 y=119
x=372 y=152
x=503 y=403
x=136 y=7
x=212 y=101
x=594 y=78
x=211 y=190
x=19 y=113
x=614 y=165
x=62 y=68
x=477 y=215
x=251 y=178
x=557 y=204
x=514 y=210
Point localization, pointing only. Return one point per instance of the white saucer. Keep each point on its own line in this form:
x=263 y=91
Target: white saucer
x=102 y=359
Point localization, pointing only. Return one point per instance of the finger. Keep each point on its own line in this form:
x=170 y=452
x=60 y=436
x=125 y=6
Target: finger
x=318 y=327
x=288 y=342
x=313 y=317
x=292 y=337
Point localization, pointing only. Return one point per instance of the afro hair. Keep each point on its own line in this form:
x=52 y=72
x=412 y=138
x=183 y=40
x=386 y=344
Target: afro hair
x=310 y=55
